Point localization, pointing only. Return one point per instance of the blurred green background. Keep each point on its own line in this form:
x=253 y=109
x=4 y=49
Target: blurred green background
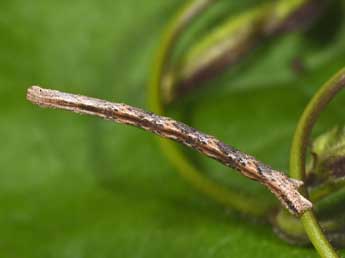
x=74 y=186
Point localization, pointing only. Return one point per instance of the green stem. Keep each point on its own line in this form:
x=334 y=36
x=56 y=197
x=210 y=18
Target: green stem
x=298 y=154
x=170 y=37
x=316 y=236
x=229 y=43
x=184 y=166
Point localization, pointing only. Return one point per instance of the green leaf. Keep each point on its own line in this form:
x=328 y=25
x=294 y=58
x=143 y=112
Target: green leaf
x=73 y=186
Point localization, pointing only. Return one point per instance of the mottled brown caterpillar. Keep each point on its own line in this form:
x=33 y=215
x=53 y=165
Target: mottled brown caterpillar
x=286 y=189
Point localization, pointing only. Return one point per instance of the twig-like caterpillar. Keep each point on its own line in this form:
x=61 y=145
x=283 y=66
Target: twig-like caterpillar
x=286 y=189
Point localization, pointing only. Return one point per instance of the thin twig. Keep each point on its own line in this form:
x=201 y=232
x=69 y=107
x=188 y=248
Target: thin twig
x=283 y=187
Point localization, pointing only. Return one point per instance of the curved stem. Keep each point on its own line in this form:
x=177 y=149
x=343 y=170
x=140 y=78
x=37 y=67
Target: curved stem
x=298 y=154
x=230 y=42
x=184 y=166
x=171 y=34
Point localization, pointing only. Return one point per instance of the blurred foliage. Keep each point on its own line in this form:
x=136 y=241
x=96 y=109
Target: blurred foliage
x=73 y=186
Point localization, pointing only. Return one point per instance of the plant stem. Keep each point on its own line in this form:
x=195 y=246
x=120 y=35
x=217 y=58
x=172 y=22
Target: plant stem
x=219 y=193
x=316 y=236
x=229 y=43
x=298 y=154
x=170 y=36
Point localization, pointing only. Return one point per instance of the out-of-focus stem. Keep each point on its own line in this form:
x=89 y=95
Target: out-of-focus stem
x=231 y=41
x=171 y=34
x=225 y=196
x=291 y=229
